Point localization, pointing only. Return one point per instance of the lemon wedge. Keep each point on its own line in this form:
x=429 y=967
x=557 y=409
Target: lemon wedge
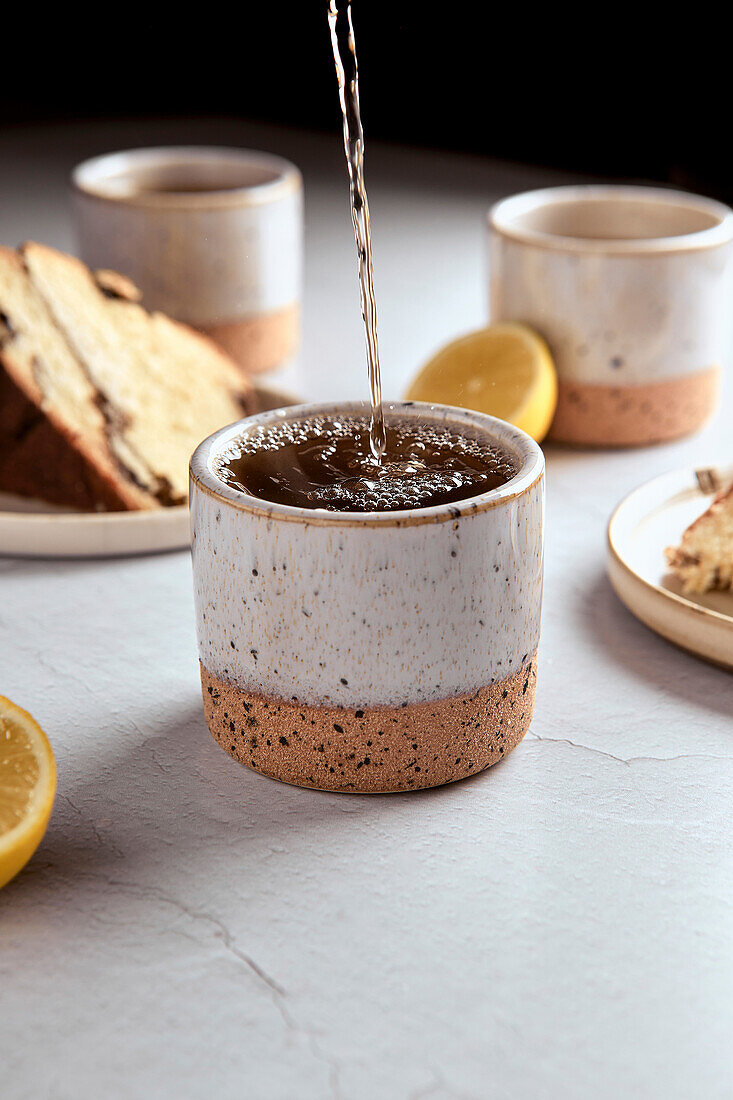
x=505 y=370
x=27 y=787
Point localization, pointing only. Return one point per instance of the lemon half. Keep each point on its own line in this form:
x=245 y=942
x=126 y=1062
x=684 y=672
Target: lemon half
x=505 y=370
x=27 y=787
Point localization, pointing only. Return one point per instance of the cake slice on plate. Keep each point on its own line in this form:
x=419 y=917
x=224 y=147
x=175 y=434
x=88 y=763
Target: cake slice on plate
x=704 y=558
x=101 y=402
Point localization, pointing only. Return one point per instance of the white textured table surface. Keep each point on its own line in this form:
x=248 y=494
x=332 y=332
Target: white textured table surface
x=558 y=927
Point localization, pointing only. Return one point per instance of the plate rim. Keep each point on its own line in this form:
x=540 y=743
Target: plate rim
x=702 y=632
x=689 y=605
x=131 y=516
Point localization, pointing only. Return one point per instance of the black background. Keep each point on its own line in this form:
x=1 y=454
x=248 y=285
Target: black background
x=634 y=92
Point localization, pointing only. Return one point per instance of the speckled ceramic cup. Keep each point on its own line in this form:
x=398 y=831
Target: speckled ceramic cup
x=630 y=287
x=211 y=236
x=369 y=652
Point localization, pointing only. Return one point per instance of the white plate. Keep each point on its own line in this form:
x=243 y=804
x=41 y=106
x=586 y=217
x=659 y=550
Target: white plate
x=30 y=528
x=645 y=522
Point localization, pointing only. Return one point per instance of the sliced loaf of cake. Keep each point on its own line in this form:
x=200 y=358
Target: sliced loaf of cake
x=101 y=402
x=704 y=559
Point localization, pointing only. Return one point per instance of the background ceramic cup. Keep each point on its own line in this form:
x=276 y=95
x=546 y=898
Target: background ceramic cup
x=369 y=652
x=211 y=236
x=630 y=287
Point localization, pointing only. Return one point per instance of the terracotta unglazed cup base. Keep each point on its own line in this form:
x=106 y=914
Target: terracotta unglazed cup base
x=259 y=343
x=630 y=287
x=623 y=416
x=371 y=749
x=369 y=652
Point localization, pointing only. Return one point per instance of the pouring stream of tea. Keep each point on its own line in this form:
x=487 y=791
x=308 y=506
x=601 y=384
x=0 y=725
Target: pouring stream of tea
x=347 y=72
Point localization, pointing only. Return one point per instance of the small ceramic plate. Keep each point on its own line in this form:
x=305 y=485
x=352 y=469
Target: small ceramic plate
x=30 y=528
x=644 y=524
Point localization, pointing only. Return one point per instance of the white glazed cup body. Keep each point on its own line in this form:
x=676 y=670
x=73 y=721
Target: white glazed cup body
x=406 y=616
x=630 y=288
x=226 y=258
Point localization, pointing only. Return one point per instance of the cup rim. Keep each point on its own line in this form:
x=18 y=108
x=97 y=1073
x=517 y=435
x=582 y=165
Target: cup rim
x=501 y=219
x=89 y=176
x=524 y=450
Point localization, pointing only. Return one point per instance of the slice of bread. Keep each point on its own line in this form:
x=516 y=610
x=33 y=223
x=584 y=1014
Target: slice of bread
x=101 y=402
x=704 y=559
